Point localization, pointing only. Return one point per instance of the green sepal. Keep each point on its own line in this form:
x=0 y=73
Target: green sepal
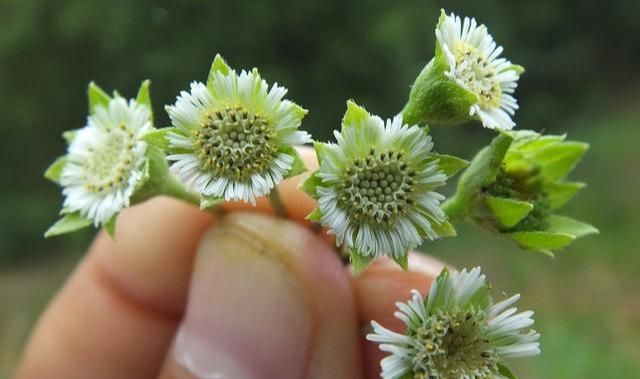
x=449 y=164
x=563 y=224
x=485 y=166
x=315 y=216
x=437 y=301
x=70 y=222
x=560 y=193
x=110 y=226
x=208 y=202
x=298 y=166
x=408 y=375
x=355 y=114
x=310 y=184
x=504 y=371
x=70 y=135
x=158 y=137
x=508 y=212
x=518 y=69
x=218 y=65
x=402 y=261
x=319 y=148
x=436 y=99
x=143 y=96
x=542 y=240
x=445 y=229
x=359 y=262
x=97 y=97
x=558 y=160
x=54 y=171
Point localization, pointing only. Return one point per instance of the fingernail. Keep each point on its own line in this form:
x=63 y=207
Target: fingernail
x=246 y=316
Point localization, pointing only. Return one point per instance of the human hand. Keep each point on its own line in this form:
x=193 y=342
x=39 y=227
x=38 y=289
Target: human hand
x=180 y=294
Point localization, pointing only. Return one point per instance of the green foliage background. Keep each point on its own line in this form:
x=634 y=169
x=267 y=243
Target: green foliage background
x=581 y=59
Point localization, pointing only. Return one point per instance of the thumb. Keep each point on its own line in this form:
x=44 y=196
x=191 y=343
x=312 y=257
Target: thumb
x=268 y=299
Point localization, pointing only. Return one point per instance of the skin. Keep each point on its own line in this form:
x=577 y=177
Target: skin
x=118 y=314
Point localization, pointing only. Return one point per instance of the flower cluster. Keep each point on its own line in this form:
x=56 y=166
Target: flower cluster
x=456 y=332
x=514 y=186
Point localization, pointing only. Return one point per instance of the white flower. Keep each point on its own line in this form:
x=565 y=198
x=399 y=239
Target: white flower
x=233 y=136
x=456 y=333
x=374 y=187
x=475 y=64
x=106 y=160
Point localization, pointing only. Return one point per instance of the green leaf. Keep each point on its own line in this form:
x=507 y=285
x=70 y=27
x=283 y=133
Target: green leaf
x=55 y=170
x=563 y=224
x=558 y=160
x=508 y=212
x=158 y=137
x=208 y=202
x=315 y=216
x=504 y=371
x=310 y=184
x=527 y=141
x=359 y=262
x=449 y=164
x=67 y=224
x=97 y=97
x=561 y=192
x=445 y=229
x=542 y=240
x=355 y=114
x=70 y=135
x=298 y=166
x=143 y=94
x=110 y=226
x=403 y=261
x=218 y=65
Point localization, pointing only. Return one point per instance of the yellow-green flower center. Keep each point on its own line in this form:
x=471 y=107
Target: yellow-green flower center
x=475 y=71
x=111 y=160
x=451 y=346
x=377 y=189
x=236 y=143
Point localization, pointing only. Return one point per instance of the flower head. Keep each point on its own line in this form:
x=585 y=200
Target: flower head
x=514 y=186
x=475 y=64
x=456 y=332
x=233 y=136
x=106 y=160
x=375 y=186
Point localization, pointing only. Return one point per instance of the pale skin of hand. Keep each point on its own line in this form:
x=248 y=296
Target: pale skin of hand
x=118 y=313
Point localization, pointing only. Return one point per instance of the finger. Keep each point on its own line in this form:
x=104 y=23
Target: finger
x=378 y=289
x=116 y=315
x=268 y=299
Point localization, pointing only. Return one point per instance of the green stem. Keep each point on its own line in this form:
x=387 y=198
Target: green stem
x=276 y=203
x=455 y=209
x=173 y=188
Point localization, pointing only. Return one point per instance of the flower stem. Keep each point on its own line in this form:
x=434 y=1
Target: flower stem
x=276 y=203
x=173 y=188
x=455 y=209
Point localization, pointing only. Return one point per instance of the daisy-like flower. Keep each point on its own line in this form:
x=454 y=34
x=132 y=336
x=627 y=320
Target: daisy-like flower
x=233 y=136
x=106 y=160
x=457 y=332
x=475 y=64
x=467 y=79
x=374 y=187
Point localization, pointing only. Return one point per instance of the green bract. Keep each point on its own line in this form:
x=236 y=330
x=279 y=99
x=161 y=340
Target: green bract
x=515 y=185
x=108 y=166
x=465 y=80
x=374 y=187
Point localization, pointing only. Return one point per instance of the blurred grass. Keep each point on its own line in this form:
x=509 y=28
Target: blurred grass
x=586 y=301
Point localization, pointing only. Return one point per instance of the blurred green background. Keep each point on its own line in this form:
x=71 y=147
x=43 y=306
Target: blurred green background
x=581 y=59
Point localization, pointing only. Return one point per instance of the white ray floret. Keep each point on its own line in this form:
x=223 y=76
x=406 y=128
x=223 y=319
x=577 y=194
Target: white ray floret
x=106 y=160
x=457 y=333
x=475 y=64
